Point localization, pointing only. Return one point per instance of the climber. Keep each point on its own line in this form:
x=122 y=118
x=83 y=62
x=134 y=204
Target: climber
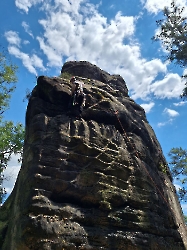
x=77 y=94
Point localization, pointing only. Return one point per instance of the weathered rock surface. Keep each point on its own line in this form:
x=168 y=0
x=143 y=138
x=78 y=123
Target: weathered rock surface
x=100 y=182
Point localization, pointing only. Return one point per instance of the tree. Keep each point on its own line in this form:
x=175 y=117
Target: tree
x=173 y=35
x=178 y=166
x=11 y=136
x=185 y=218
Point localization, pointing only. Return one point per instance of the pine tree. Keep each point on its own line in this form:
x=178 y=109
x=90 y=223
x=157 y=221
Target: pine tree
x=173 y=35
x=178 y=166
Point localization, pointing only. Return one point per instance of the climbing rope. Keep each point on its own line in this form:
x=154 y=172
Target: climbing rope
x=136 y=154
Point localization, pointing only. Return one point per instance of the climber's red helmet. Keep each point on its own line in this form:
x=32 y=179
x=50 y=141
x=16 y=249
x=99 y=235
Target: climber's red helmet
x=72 y=79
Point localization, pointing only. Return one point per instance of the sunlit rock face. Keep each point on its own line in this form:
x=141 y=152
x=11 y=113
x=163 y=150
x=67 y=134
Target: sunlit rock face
x=99 y=182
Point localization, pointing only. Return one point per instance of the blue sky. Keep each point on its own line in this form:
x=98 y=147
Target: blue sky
x=115 y=35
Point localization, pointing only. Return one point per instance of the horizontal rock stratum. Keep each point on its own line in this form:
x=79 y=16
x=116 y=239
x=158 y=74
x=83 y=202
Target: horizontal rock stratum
x=99 y=182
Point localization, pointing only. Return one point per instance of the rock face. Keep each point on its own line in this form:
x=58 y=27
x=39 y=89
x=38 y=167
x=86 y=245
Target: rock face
x=99 y=182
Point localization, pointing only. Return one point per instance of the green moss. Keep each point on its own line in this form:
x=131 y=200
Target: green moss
x=163 y=167
x=66 y=75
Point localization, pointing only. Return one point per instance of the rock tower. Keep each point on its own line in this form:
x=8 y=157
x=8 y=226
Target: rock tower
x=98 y=182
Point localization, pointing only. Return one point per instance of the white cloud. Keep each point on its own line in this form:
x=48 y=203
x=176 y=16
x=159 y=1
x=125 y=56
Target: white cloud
x=169 y=87
x=69 y=5
x=184 y=208
x=154 y=6
x=26 y=42
x=171 y=115
x=66 y=5
x=27 y=29
x=162 y=124
x=177 y=186
x=178 y=104
x=54 y=58
x=143 y=75
x=185 y=72
x=75 y=30
x=26 y=4
x=170 y=112
x=13 y=38
x=112 y=6
x=30 y=62
x=87 y=35
x=11 y=173
x=147 y=106
x=37 y=62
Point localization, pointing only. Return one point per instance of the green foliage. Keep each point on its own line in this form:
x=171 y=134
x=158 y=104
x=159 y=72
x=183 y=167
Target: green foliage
x=66 y=75
x=178 y=165
x=185 y=219
x=163 y=167
x=7 y=81
x=11 y=141
x=173 y=35
x=11 y=136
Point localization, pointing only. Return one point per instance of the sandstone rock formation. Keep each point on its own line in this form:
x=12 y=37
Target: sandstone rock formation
x=99 y=182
